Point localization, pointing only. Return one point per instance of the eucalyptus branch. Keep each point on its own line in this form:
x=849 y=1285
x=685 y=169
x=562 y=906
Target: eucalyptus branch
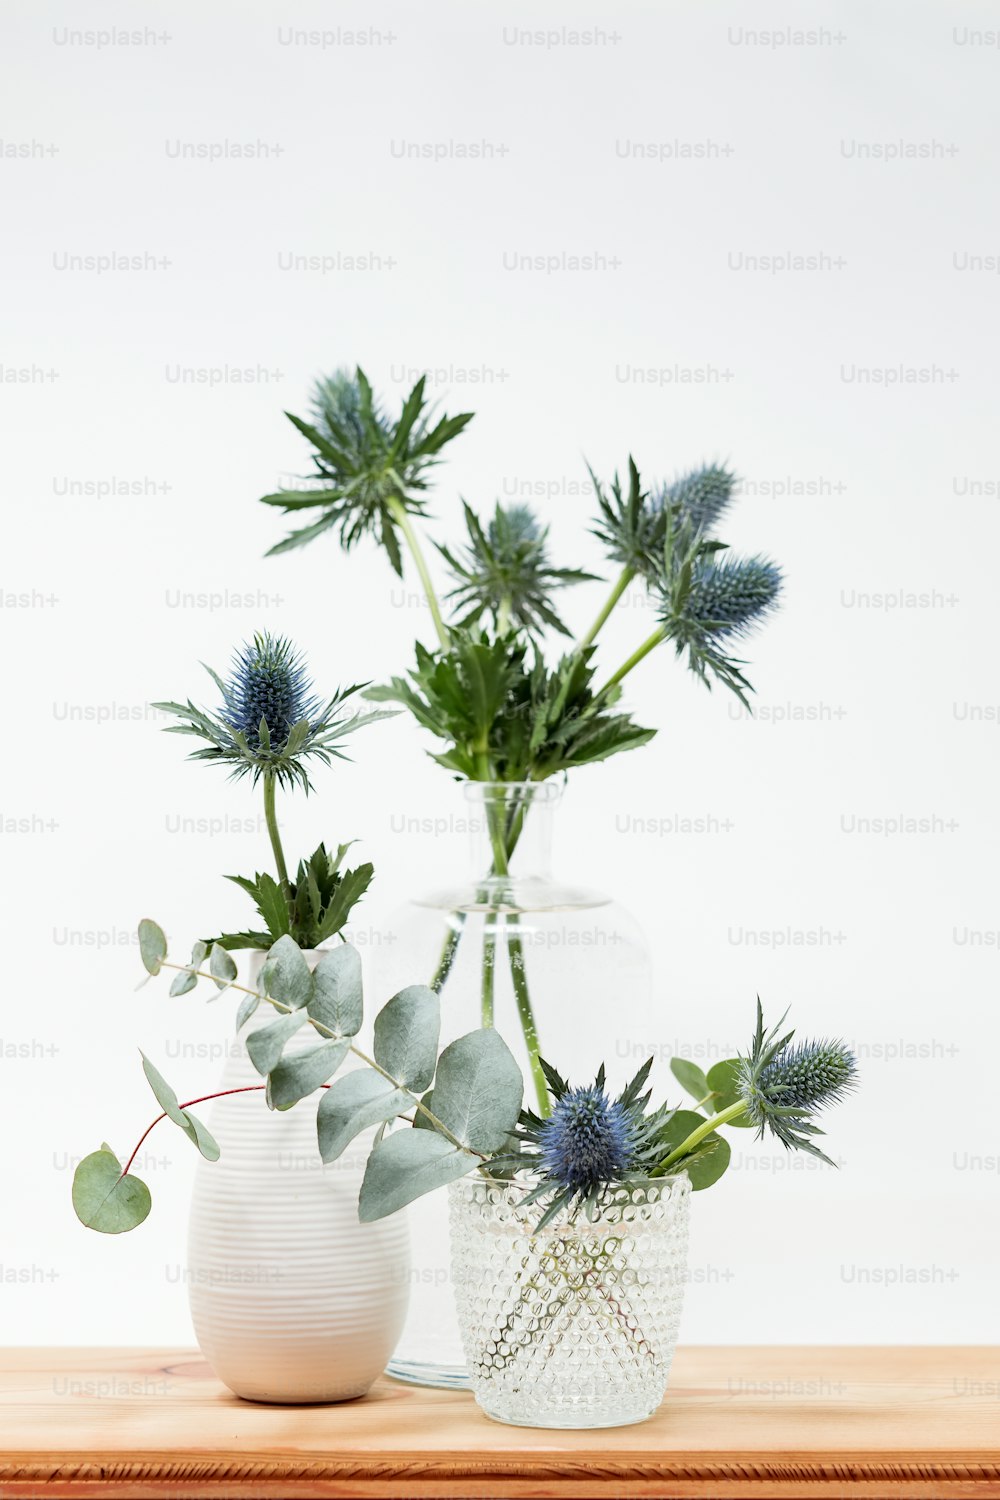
x=334 y=1037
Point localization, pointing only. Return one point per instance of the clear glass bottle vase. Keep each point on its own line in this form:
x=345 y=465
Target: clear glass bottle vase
x=561 y=970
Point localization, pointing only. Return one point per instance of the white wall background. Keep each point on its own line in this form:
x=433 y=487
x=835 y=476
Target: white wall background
x=877 y=489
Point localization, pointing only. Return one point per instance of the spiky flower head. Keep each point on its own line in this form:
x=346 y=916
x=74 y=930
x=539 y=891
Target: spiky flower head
x=270 y=722
x=704 y=601
x=588 y=1144
x=586 y=1141
x=370 y=472
x=701 y=496
x=268 y=685
x=783 y=1086
x=505 y=572
x=729 y=597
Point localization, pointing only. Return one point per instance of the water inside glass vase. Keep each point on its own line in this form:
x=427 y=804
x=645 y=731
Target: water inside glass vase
x=559 y=969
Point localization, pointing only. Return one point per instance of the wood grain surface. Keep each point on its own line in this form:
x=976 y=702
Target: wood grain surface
x=763 y=1422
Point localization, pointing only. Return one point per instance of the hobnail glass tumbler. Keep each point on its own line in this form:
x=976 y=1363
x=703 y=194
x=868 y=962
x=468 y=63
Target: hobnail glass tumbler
x=574 y=1326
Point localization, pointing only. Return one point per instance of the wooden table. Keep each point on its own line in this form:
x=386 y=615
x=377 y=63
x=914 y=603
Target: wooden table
x=762 y=1422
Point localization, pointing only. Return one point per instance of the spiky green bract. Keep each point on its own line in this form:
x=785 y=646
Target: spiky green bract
x=503 y=716
x=782 y=1086
x=589 y=1144
x=368 y=467
x=319 y=903
x=633 y=525
x=630 y=525
x=701 y=496
x=703 y=602
x=269 y=678
x=505 y=573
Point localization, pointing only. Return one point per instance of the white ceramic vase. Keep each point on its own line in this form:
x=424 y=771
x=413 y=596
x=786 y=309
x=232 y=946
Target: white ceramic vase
x=293 y=1300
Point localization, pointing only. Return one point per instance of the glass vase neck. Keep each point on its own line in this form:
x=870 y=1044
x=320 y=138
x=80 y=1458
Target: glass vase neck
x=510 y=827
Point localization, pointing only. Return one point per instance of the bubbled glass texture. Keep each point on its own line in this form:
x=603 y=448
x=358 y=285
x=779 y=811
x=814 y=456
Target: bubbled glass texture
x=575 y=1326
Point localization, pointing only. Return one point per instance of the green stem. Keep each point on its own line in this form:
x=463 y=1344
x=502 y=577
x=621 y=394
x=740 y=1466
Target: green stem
x=402 y=519
x=449 y=949
x=524 y=1010
x=503 y=616
x=489 y=975
x=698 y=1135
x=622 y=584
x=275 y=837
x=659 y=634
x=519 y=978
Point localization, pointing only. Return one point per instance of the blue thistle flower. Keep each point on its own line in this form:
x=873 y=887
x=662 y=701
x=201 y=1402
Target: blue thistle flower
x=782 y=1086
x=268 y=683
x=809 y=1075
x=702 y=496
x=587 y=1141
x=271 y=722
x=728 y=597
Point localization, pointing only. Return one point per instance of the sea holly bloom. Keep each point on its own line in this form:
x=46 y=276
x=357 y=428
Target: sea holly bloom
x=701 y=497
x=782 y=1086
x=270 y=722
x=588 y=1143
x=587 y=1140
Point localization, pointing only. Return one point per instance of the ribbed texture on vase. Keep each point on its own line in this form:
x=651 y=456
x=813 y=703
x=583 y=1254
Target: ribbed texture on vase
x=293 y=1300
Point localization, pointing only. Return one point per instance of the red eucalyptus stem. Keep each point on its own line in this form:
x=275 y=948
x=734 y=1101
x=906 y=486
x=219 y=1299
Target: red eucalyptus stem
x=250 y=1088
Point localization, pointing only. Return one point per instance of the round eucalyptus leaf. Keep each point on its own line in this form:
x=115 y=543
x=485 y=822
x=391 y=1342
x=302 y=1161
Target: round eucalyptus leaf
x=406 y=1165
x=294 y=1078
x=183 y=982
x=352 y=1104
x=165 y=1096
x=337 y=1000
x=286 y=976
x=406 y=1036
x=222 y=966
x=202 y=1137
x=478 y=1090
x=105 y=1200
x=247 y=1006
x=265 y=1045
x=152 y=945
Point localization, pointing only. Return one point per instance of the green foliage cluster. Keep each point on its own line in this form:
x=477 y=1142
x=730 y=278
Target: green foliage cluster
x=462 y=1103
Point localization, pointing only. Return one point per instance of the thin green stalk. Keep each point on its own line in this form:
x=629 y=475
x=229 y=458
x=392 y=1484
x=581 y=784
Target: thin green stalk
x=698 y=1135
x=489 y=976
x=519 y=978
x=659 y=634
x=271 y=819
x=402 y=519
x=515 y=951
x=622 y=584
x=449 y=949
